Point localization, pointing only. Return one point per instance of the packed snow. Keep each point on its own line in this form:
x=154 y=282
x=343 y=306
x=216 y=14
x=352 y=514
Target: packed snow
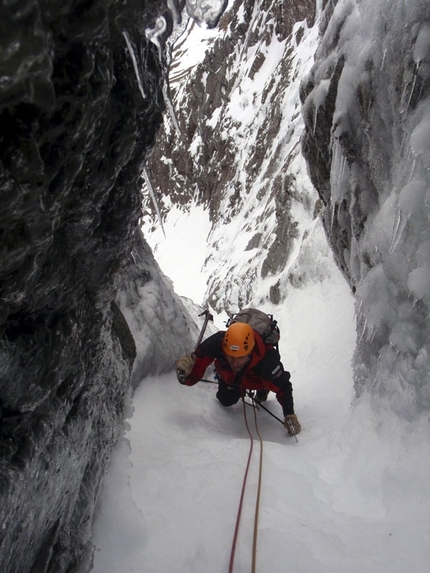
x=351 y=495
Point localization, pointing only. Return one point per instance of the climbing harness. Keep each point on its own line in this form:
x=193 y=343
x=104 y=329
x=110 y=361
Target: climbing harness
x=257 y=504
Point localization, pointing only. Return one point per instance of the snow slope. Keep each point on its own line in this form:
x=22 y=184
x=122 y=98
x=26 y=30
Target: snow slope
x=351 y=496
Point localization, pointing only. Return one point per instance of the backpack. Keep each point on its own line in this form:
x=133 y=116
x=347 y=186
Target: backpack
x=261 y=322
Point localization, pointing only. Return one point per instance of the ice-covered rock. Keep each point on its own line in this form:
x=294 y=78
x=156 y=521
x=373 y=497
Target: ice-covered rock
x=367 y=114
x=164 y=326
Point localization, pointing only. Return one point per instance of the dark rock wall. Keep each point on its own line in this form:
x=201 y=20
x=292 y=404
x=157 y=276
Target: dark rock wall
x=74 y=128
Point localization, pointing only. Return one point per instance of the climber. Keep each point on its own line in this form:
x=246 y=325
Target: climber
x=242 y=362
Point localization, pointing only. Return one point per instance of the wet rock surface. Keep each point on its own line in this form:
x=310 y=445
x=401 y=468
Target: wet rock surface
x=74 y=130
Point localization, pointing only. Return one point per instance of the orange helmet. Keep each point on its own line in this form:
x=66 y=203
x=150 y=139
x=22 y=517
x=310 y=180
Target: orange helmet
x=239 y=339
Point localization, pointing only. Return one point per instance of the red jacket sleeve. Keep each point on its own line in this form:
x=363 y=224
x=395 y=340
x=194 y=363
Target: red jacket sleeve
x=205 y=354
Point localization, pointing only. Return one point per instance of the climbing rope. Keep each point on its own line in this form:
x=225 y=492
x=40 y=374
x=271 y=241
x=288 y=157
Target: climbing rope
x=242 y=495
x=257 y=503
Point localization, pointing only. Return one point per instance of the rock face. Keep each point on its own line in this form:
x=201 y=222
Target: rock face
x=236 y=146
x=366 y=109
x=80 y=103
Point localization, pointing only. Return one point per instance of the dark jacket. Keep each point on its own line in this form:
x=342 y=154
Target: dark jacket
x=264 y=372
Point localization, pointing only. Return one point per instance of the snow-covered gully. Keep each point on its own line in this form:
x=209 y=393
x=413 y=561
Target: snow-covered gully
x=338 y=500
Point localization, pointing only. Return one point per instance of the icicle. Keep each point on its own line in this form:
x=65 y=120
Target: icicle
x=332 y=213
x=169 y=105
x=154 y=34
x=402 y=143
x=397 y=231
x=383 y=59
x=341 y=169
x=402 y=99
x=135 y=66
x=363 y=330
x=414 y=81
x=315 y=121
x=148 y=182
x=337 y=171
x=371 y=334
x=413 y=164
x=334 y=159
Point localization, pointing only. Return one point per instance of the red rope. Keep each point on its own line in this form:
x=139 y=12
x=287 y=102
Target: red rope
x=257 y=503
x=242 y=495
x=239 y=511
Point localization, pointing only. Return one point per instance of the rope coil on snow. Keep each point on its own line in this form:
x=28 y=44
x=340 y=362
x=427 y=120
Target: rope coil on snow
x=257 y=504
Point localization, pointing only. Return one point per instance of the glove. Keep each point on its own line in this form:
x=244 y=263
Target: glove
x=261 y=396
x=292 y=424
x=183 y=367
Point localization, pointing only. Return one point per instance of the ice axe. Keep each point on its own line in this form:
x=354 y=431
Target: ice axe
x=208 y=317
x=180 y=373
